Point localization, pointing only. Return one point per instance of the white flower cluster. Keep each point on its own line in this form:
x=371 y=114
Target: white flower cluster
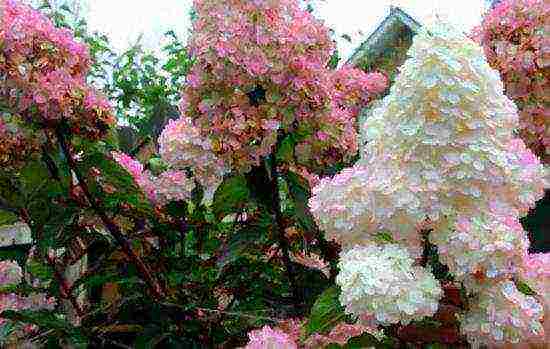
x=360 y=202
x=488 y=241
x=440 y=154
x=381 y=281
x=502 y=314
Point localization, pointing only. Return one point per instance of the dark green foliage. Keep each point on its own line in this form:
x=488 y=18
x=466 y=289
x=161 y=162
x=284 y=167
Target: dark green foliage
x=326 y=312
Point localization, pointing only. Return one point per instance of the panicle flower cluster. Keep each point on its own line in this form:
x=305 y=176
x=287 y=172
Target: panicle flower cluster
x=381 y=282
x=10 y=273
x=440 y=153
x=173 y=185
x=43 y=71
x=536 y=273
x=169 y=186
x=492 y=242
x=261 y=67
x=183 y=147
x=502 y=314
x=356 y=204
x=440 y=145
x=268 y=338
x=514 y=36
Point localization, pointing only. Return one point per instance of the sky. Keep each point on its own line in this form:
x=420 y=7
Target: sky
x=125 y=20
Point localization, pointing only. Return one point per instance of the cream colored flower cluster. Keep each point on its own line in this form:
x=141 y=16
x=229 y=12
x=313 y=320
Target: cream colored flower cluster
x=382 y=281
x=440 y=154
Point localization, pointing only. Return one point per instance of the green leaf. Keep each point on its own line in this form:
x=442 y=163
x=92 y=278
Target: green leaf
x=246 y=240
x=48 y=320
x=285 y=153
x=326 y=312
x=39 y=270
x=231 y=196
x=365 y=340
x=384 y=237
x=7 y=218
x=524 y=288
x=299 y=191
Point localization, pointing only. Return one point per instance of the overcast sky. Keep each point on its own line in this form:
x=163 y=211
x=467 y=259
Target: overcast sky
x=124 y=20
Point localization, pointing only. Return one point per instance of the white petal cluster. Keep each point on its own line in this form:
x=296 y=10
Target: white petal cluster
x=10 y=273
x=358 y=203
x=489 y=243
x=440 y=144
x=381 y=281
x=440 y=153
x=502 y=314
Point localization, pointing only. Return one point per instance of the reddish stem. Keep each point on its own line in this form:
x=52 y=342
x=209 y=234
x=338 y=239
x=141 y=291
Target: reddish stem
x=112 y=227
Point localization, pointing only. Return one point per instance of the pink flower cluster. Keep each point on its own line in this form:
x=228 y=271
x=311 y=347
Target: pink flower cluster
x=514 y=36
x=288 y=334
x=268 y=338
x=169 y=186
x=260 y=68
x=441 y=153
x=43 y=70
x=502 y=314
x=183 y=147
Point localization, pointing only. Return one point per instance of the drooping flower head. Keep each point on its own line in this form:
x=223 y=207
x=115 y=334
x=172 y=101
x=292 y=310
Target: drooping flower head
x=441 y=154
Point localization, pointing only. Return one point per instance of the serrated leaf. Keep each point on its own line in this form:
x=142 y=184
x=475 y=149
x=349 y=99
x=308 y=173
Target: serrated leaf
x=384 y=237
x=245 y=240
x=326 y=312
x=59 y=327
x=231 y=196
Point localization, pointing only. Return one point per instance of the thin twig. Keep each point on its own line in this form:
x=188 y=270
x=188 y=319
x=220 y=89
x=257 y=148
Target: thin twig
x=239 y=314
x=112 y=227
x=276 y=207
